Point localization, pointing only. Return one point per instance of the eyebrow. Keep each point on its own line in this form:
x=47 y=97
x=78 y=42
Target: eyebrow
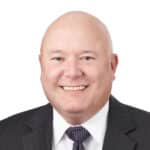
x=88 y=51
x=55 y=51
x=51 y=51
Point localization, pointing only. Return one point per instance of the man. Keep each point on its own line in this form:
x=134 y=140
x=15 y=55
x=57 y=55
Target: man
x=77 y=70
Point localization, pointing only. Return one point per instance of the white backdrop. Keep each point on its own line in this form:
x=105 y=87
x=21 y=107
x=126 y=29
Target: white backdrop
x=23 y=23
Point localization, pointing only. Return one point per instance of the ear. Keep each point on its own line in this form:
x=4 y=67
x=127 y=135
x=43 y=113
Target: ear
x=114 y=64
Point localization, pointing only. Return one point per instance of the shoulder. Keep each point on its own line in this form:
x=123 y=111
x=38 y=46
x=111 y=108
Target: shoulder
x=16 y=123
x=139 y=117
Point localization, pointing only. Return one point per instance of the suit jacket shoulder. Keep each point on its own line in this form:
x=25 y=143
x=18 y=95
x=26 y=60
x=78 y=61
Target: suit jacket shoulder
x=139 y=116
x=16 y=124
x=128 y=127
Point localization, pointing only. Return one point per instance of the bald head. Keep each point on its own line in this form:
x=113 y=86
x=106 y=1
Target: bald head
x=77 y=65
x=80 y=22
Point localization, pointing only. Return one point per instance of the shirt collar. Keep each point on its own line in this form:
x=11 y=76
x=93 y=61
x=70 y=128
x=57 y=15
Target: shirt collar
x=97 y=123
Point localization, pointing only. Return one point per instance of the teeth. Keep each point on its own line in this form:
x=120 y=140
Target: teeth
x=73 y=88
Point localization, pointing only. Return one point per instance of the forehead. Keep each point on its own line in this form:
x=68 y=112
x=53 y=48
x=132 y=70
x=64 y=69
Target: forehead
x=76 y=39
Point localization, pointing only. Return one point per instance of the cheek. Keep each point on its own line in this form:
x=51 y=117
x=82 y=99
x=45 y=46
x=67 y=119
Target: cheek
x=96 y=73
x=52 y=73
x=100 y=76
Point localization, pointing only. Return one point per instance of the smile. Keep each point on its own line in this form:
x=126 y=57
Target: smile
x=74 y=88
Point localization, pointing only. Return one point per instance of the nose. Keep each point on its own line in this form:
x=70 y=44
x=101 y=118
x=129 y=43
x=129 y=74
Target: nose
x=72 y=69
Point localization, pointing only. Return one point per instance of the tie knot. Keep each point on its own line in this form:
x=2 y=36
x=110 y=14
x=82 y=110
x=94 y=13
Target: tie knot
x=77 y=134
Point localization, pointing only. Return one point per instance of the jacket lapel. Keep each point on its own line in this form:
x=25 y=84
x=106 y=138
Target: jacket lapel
x=39 y=126
x=120 y=128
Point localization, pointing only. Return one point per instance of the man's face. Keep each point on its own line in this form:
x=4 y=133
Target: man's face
x=77 y=71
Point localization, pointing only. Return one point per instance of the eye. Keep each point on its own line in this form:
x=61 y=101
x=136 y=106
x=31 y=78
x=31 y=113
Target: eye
x=87 y=58
x=57 y=58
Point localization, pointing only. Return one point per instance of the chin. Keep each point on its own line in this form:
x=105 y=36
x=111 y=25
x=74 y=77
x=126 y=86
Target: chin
x=75 y=110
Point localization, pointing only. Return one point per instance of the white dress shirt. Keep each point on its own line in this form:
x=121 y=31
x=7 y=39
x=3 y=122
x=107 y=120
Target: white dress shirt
x=95 y=125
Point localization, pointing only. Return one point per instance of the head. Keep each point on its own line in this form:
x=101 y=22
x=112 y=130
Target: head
x=77 y=65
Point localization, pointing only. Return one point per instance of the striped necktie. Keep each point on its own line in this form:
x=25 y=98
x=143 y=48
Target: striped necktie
x=78 y=135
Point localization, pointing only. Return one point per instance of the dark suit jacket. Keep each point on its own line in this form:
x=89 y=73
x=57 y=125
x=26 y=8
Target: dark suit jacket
x=128 y=129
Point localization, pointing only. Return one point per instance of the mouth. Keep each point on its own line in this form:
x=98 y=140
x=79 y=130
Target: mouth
x=74 y=88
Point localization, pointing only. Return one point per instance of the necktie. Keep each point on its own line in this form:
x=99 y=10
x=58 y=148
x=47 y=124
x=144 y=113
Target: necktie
x=78 y=135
